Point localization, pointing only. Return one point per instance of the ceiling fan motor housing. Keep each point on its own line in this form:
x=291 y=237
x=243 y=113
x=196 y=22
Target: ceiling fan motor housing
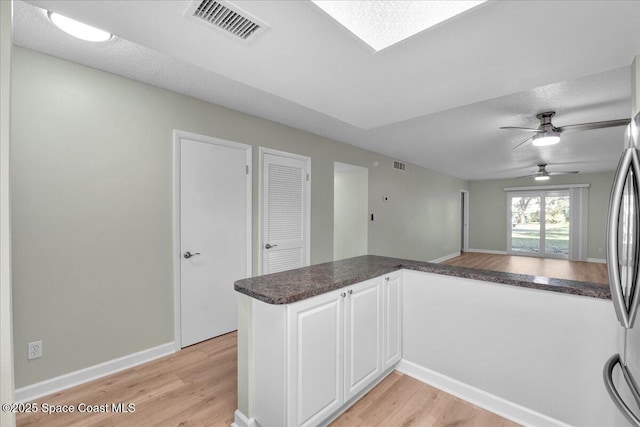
x=542 y=170
x=545 y=121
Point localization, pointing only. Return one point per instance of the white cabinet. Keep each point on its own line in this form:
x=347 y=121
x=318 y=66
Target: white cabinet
x=392 y=318
x=363 y=335
x=310 y=358
x=315 y=354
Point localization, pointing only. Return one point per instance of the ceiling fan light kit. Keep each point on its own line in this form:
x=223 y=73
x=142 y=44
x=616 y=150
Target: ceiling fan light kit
x=546 y=138
x=541 y=178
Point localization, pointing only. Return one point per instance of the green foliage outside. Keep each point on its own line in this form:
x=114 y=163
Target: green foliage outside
x=527 y=209
x=526 y=238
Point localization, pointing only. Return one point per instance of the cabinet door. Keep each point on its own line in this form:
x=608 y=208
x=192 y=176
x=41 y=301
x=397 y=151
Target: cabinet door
x=392 y=319
x=316 y=378
x=363 y=339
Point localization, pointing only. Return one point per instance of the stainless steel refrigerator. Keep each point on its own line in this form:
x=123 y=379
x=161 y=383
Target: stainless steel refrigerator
x=622 y=370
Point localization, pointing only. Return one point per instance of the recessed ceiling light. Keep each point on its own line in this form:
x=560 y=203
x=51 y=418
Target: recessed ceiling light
x=382 y=23
x=78 y=29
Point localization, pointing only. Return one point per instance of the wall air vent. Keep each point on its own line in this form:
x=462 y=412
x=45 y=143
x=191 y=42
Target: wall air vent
x=399 y=165
x=227 y=18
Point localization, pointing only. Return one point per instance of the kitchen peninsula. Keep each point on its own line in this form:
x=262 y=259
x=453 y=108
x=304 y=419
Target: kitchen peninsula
x=319 y=337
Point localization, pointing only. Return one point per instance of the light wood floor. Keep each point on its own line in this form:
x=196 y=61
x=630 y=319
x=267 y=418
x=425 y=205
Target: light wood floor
x=557 y=268
x=400 y=400
x=197 y=387
x=194 y=387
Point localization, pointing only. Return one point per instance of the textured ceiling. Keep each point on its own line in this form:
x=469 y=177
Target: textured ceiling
x=435 y=100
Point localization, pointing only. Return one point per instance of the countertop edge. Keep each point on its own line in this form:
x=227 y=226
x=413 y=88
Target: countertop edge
x=299 y=284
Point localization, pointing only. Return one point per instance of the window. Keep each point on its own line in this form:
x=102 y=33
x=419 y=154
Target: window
x=540 y=223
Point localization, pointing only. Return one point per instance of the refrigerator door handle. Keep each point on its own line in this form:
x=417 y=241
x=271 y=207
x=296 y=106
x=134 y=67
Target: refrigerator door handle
x=613 y=392
x=629 y=162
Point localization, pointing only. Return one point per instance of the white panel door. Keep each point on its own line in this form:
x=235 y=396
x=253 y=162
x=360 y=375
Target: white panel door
x=317 y=374
x=363 y=338
x=285 y=212
x=214 y=227
x=392 y=325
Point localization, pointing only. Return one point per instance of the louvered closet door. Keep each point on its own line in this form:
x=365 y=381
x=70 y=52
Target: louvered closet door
x=285 y=216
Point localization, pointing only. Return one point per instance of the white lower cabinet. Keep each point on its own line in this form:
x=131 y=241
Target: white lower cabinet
x=315 y=353
x=363 y=335
x=392 y=315
x=334 y=346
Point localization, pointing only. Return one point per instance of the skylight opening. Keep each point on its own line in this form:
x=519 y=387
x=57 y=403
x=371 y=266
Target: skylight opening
x=382 y=23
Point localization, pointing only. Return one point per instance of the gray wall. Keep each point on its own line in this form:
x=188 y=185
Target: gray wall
x=92 y=208
x=421 y=220
x=488 y=209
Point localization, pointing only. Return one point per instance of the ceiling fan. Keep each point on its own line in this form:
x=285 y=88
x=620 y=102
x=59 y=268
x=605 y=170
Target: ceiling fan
x=543 y=175
x=548 y=134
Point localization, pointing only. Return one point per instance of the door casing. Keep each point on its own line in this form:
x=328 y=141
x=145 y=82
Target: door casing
x=178 y=135
x=464 y=198
x=307 y=221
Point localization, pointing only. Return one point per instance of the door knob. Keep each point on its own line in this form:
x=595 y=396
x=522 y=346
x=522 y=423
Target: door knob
x=188 y=254
x=269 y=246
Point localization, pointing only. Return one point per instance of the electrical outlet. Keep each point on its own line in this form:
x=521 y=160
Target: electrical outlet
x=34 y=350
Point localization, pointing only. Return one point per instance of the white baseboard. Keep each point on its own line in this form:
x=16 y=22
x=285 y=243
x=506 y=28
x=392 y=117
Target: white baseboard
x=71 y=379
x=497 y=405
x=444 y=258
x=491 y=251
x=487 y=251
x=240 y=420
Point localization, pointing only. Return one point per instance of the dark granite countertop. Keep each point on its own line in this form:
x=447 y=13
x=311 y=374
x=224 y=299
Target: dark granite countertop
x=302 y=283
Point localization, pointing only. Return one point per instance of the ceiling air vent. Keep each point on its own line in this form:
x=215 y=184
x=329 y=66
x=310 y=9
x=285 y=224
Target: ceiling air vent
x=399 y=165
x=227 y=18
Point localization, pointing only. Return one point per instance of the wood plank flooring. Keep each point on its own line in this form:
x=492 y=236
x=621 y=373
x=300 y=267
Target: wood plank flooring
x=557 y=268
x=400 y=400
x=197 y=387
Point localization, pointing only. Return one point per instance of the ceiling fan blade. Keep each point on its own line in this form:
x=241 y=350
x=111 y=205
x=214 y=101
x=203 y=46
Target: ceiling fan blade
x=563 y=172
x=519 y=128
x=523 y=142
x=594 y=125
x=527 y=176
